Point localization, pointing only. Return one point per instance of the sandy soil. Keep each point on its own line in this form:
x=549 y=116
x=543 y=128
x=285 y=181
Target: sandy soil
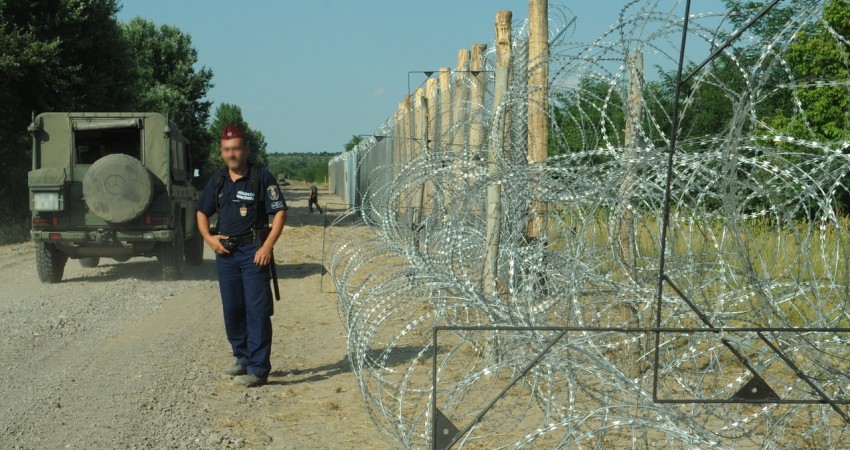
x=313 y=400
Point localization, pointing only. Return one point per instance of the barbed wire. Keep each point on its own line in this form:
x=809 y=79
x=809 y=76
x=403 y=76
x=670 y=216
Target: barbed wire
x=758 y=237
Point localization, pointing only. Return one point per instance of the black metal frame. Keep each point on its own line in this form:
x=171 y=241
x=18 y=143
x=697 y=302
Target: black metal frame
x=428 y=74
x=445 y=434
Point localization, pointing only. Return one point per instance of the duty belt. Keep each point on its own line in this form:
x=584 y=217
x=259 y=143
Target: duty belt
x=245 y=239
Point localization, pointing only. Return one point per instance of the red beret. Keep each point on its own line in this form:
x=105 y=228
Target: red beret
x=230 y=132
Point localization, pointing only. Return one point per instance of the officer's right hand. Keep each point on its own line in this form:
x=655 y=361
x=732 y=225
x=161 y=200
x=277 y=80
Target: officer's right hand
x=214 y=241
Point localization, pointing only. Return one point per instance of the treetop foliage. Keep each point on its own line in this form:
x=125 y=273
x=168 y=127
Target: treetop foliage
x=74 y=55
x=230 y=114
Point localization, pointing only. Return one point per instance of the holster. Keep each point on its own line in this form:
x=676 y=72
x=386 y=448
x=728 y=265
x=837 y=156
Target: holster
x=260 y=235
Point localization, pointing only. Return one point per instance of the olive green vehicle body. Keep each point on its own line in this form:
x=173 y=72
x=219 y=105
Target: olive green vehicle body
x=155 y=206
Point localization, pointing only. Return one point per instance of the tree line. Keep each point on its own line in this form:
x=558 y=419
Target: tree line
x=816 y=59
x=311 y=167
x=75 y=55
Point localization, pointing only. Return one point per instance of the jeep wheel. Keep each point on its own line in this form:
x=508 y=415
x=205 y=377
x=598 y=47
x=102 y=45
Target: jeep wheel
x=90 y=262
x=171 y=256
x=195 y=250
x=49 y=262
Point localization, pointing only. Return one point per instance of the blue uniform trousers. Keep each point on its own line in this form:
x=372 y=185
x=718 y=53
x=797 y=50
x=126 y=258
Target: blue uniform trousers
x=247 y=303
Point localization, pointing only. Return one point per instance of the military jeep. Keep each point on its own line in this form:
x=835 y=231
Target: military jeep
x=111 y=185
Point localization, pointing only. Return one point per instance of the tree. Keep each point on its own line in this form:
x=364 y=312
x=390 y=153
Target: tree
x=819 y=61
x=229 y=114
x=817 y=57
x=584 y=116
x=165 y=80
x=352 y=143
x=301 y=166
x=59 y=55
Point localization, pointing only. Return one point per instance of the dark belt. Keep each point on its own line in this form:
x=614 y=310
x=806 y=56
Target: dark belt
x=243 y=239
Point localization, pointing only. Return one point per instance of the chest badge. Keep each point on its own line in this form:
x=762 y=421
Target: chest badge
x=243 y=211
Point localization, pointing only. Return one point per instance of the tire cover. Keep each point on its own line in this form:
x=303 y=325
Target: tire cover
x=117 y=188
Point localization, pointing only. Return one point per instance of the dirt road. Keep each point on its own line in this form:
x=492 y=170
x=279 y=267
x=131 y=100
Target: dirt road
x=112 y=357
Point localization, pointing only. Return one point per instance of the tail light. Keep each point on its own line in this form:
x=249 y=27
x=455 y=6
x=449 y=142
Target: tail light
x=156 y=220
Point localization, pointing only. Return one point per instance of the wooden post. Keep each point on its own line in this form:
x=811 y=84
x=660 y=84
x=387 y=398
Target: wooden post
x=422 y=143
x=445 y=108
x=538 y=96
x=431 y=104
x=430 y=130
x=634 y=110
x=415 y=139
x=499 y=138
x=404 y=149
x=410 y=129
x=476 y=98
x=394 y=142
x=459 y=100
x=419 y=114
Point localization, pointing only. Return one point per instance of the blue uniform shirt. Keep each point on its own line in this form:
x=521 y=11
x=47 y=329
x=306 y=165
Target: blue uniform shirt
x=239 y=207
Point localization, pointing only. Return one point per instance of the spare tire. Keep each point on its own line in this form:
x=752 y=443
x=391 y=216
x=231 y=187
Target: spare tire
x=117 y=188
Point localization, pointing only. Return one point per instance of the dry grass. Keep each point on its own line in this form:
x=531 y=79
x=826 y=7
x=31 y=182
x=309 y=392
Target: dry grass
x=803 y=268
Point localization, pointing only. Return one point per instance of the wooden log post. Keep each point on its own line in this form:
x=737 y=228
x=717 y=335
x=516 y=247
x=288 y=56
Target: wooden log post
x=460 y=102
x=538 y=101
x=431 y=89
x=416 y=139
x=445 y=125
x=394 y=142
x=476 y=98
x=430 y=132
x=454 y=140
x=626 y=239
x=499 y=139
x=422 y=143
x=445 y=108
x=404 y=149
x=419 y=114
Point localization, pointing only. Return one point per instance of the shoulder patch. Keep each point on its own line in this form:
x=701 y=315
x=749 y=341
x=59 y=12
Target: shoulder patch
x=274 y=193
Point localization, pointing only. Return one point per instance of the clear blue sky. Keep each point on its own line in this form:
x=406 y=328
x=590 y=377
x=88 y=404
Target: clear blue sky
x=311 y=73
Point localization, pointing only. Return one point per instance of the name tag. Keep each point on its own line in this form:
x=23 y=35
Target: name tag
x=247 y=196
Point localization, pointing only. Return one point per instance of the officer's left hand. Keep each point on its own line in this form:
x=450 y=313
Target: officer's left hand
x=263 y=256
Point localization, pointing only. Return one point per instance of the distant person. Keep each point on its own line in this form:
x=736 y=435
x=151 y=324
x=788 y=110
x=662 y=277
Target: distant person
x=314 y=198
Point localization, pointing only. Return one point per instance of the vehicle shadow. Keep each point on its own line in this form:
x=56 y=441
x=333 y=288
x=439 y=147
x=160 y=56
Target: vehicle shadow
x=145 y=269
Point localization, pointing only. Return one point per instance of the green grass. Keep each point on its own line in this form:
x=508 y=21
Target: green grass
x=795 y=274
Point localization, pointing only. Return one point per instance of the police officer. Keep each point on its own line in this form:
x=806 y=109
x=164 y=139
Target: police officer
x=243 y=196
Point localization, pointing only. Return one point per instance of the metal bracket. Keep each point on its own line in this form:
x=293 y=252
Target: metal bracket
x=444 y=431
x=755 y=389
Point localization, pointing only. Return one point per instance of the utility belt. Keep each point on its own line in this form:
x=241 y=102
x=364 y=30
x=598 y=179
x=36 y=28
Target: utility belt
x=252 y=237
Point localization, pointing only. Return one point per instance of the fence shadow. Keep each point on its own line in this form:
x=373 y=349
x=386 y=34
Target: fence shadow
x=303 y=270
x=399 y=356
